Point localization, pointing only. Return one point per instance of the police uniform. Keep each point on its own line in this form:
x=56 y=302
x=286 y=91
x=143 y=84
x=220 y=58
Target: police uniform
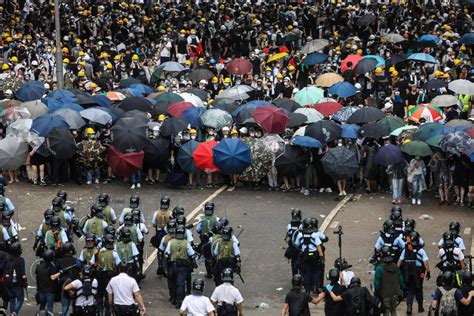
x=87 y=255
x=226 y=253
x=458 y=242
x=393 y=241
x=204 y=228
x=96 y=226
x=109 y=214
x=166 y=268
x=160 y=220
x=226 y=296
x=450 y=259
x=413 y=270
x=310 y=261
x=127 y=210
x=292 y=252
x=55 y=241
x=179 y=251
x=84 y=305
x=107 y=261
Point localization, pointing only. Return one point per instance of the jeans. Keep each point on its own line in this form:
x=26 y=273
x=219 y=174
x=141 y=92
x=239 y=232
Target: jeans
x=91 y=175
x=65 y=304
x=17 y=296
x=397 y=187
x=136 y=177
x=416 y=187
x=47 y=299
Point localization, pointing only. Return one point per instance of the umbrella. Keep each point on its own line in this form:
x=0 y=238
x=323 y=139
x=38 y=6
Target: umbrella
x=458 y=123
x=276 y=57
x=425 y=131
x=314 y=59
x=168 y=97
x=136 y=103
x=296 y=119
x=344 y=113
x=43 y=124
x=172 y=126
x=395 y=59
x=192 y=98
x=30 y=91
x=388 y=154
x=20 y=128
x=309 y=95
x=312 y=116
x=102 y=100
x=422 y=57
x=71 y=106
x=125 y=83
x=343 y=89
x=306 y=141
x=61 y=143
x=350 y=131
x=429 y=113
x=124 y=164
x=435 y=141
x=416 y=148
x=15 y=113
x=129 y=133
x=365 y=65
x=324 y=131
x=448 y=129
x=202 y=94
x=327 y=108
x=399 y=130
x=239 y=66
x=177 y=109
x=365 y=115
x=328 y=79
x=192 y=115
x=380 y=60
x=200 y=74
x=393 y=122
x=13 y=153
x=115 y=112
x=394 y=37
x=172 y=66
x=96 y=115
x=236 y=92
x=85 y=100
x=366 y=20
x=462 y=86
x=286 y=104
x=185 y=156
x=428 y=38
x=350 y=62
x=314 y=46
x=36 y=108
x=115 y=96
x=228 y=105
x=292 y=162
x=444 y=100
x=272 y=119
x=455 y=143
x=467 y=39
x=434 y=84
x=340 y=162
x=216 y=118
x=157 y=152
x=374 y=130
x=72 y=118
x=231 y=156
x=203 y=158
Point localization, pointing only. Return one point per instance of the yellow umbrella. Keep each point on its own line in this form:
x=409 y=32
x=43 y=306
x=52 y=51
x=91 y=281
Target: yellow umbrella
x=328 y=79
x=276 y=57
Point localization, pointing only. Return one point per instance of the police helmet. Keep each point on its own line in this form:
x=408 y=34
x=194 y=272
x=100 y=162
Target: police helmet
x=55 y=222
x=448 y=240
x=228 y=275
x=110 y=230
x=165 y=202
x=333 y=275
x=414 y=238
x=48 y=214
x=109 y=241
x=410 y=225
x=209 y=208
x=297 y=280
x=177 y=210
x=467 y=278
x=296 y=214
x=355 y=281
x=128 y=219
x=134 y=201
x=103 y=199
x=136 y=216
x=307 y=224
x=181 y=220
x=180 y=232
x=447 y=278
x=217 y=227
x=125 y=235
x=315 y=223
x=389 y=226
x=57 y=203
x=342 y=264
x=90 y=240
x=68 y=248
x=48 y=255
x=454 y=228
x=171 y=226
x=386 y=254
x=224 y=221
x=62 y=194
x=227 y=233
x=86 y=271
x=96 y=210
x=2 y=189
x=198 y=287
x=15 y=248
x=396 y=213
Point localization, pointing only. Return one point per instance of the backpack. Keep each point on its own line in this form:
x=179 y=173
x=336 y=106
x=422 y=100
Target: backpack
x=86 y=288
x=358 y=301
x=447 y=304
x=12 y=274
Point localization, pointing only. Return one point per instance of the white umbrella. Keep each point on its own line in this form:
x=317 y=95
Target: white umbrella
x=36 y=108
x=394 y=37
x=96 y=115
x=312 y=115
x=462 y=86
x=444 y=100
x=20 y=128
x=314 y=46
x=300 y=131
x=192 y=98
x=72 y=118
x=13 y=153
x=172 y=66
x=237 y=92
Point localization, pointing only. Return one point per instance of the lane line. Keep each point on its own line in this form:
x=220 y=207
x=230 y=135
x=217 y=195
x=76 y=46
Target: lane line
x=151 y=258
x=472 y=245
x=334 y=212
x=334 y=225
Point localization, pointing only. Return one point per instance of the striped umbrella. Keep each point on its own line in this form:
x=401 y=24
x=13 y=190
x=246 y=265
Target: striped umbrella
x=429 y=113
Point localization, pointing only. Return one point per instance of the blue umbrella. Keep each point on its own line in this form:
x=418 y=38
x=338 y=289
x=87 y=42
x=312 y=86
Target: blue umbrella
x=343 y=89
x=68 y=105
x=231 y=156
x=467 y=39
x=30 y=91
x=306 y=141
x=43 y=124
x=388 y=155
x=185 y=156
x=252 y=105
x=112 y=113
x=428 y=38
x=192 y=115
x=422 y=57
x=448 y=129
x=102 y=100
x=344 y=113
x=349 y=131
x=54 y=102
x=314 y=59
x=380 y=59
x=142 y=88
x=60 y=94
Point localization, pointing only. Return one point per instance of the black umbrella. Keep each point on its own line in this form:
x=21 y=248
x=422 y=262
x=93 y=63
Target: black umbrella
x=129 y=133
x=395 y=59
x=340 y=162
x=365 y=115
x=125 y=83
x=173 y=125
x=244 y=115
x=434 y=84
x=365 y=65
x=292 y=162
x=139 y=115
x=202 y=94
x=296 y=119
x=224 y=104
x=366 y=20
x=85 y=101
x=161 y=107
x=374 y=130
x=61 y=143
x=287 y=104
x=136 y=103
x=157 y=153
x=324 y=131
x=200 y=74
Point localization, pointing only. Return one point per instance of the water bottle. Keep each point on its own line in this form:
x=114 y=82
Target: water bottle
x=264 y=305
x=14 y=276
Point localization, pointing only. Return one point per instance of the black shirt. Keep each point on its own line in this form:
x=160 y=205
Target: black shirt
x=464 y=310
x=44 y=271
x=362 y=295
x=332 y=308
x=297 y=301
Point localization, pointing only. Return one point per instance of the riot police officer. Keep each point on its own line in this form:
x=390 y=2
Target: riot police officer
x=90 y=249
x=160 y=221
x=39 y=244
x=97 y=224
x=107 y=262
x=128 y=252
x=8 y=224
x=177 y=211
x=134 y=203
x=109 y=213
x=227 y=254
x=292 y=252
x=397 y=218
x=454 y=229
x=58 y=208
x=56 y=236
x=226 y=296
x=85 y=288
x=391 y=238
x=6 y=200
x=204 y=229
x=410 y=226
x=451 y=257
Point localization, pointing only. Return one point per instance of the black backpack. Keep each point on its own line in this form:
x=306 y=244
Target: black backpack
x=86 y=288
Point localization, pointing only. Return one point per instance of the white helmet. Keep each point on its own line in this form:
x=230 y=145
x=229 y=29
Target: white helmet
x=34 y=63
x=358 y=86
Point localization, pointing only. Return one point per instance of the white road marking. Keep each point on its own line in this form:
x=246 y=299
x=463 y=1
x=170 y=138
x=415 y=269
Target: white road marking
x=194 y=213
x=334 y=225
x=472 y=246
x=334 y=212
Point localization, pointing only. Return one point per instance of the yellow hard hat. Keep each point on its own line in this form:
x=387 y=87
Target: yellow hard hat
x=359 y=52
x=222 y=7
x=391 y=69
x=161 y=88
x=78 y=41
x=135 y=57
x=81 y=74
x=406 y=141
x=192 y=131
x=125 y=20
x=201 y=60
x=463 y=47
x=82 y=63
x=214 y=80
x=14 y=59
x=161 y=117
x=290 y=27
x=378 y=70
x=9 y=39
x=66 y=60
x=268 y=69
x=187 y=62
x=446 y=75
x=117 y=57
x=279 y=76
x=81 y=53
x=338 y=48
x=291 y=67
x=109 y=66
x=182 y=31
x=394 y=73
x=438 y=73
x=234 y=132
x=90 y=131
x=457 y=62
x=29 y=37
x=203 y=19
x=227 y=80
x=5 y=67
x=93 y=85
x=65 y=50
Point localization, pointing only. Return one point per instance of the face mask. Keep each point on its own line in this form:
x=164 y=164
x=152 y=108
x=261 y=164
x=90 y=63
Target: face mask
x=268 y=73
x=237 y=82
x=156 y=133
x=193 y=136
x=252 y=135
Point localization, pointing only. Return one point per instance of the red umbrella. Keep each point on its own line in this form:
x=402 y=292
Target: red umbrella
x=239 y=66
x=470 y=132
x=350 y=62
x=283 y=49
x=176 y=109
x=203 y=156
x=124 y=164
x=327 y=108
x=272 y=119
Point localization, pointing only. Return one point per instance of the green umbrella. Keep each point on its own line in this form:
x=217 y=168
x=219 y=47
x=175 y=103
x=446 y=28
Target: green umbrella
x=309 y=95
x=416 y=148
x=435 y=140
x=425 y=131
x=216 y=118
x=168 y=97
x=393 y=122
x=156 y=76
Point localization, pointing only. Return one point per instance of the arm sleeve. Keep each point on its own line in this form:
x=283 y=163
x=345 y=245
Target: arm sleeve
x=236 y=250
x=379 y=243
x=153 y=219
x=402 y=255
x=134 y=250
x=113 y=215
x=190 y=250
x=9 y=203
x=5 y=234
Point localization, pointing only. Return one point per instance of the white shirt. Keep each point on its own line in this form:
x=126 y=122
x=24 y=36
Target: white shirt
x=81 y=300
x=197 y=305
x=122 y=287
x=346 y=277
x=228 y=293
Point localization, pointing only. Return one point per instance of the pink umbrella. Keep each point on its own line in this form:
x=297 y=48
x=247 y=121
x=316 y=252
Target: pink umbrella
x=239 y=66
x=176 y=109
x=272 y=119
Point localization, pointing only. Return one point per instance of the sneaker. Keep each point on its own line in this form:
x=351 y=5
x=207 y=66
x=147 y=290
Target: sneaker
x=97 y=181
x=328 y=190
x=418 y=202
x=89 y=182
x=321 y=190
x=42 y=182
x=139 y=185
x=413 y=201
x=340 y=193
x=132 y=187
x=344 y=192
x=306 y=192
x=303 y=190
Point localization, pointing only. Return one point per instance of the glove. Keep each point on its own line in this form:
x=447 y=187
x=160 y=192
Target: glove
x=428 y=275
x=329 y=287
x=322 y=260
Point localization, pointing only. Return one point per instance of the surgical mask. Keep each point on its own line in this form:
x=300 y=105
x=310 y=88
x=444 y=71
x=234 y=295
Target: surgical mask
x=156 y=133
x=237 y=82
x=268 y=73
x=193 y=136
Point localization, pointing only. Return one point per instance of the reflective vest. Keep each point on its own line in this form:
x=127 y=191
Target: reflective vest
x=226 y=249
x=105 y=259
x=215 y=240
x=389 y=242
x=88 y=254
x=133 y=233
x=44 y=229
x=464 y=98
x=108 y=214
x=124 y=251
x=178 y=249
x=162 y=218
x=95 y=226
x=208 y=223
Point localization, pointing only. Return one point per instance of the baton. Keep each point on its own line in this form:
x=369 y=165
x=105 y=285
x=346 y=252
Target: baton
x=241 y=278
